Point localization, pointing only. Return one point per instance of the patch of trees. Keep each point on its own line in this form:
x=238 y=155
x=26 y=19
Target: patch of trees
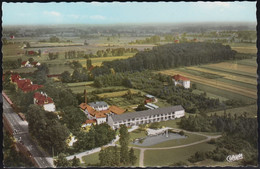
x=239 y=136
x=111 y=52
x=45 y=127
x=53 y=56
x=12 y=64
x=12 y=158
x=97 y=136
x=170 y=56
x=74 y=54
x=152 y=40
x=61 y=161
x=111 y=157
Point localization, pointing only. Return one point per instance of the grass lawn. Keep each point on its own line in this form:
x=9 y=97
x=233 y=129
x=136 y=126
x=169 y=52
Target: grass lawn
x=137 y=134
x=91 y=159
x=171 y=156
x=199 y=73
x=210 y=95
x=210 y=163
x=247 y=62
x=118 y=94
x=80 y=84
x=60 y=68
x=233 y=72
x=189 y=139
x=225 y=94
x=94 y=159
x=251 y=110
x=237 y=83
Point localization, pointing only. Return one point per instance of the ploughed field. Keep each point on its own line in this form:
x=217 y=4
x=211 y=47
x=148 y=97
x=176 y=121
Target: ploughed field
x=234 y=77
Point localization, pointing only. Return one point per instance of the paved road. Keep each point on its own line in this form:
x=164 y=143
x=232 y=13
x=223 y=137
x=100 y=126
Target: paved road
x=141 y=159
x=22 y=135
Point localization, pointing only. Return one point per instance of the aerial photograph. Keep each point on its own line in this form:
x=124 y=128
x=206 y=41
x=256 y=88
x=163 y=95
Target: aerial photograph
x=129 y=84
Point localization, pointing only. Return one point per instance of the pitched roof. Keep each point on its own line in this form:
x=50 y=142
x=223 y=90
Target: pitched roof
x=15 y=77
x=99 y=103
x=83 y=106
x=90 y=121
x=42 y=98
x=24 y=62
x=34 y=63
x=116 y=110
x=144 y=113
x=179 y=77
x=100 y=115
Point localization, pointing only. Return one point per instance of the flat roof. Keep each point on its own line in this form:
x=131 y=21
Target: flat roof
x=144 y=113
x=149 y=96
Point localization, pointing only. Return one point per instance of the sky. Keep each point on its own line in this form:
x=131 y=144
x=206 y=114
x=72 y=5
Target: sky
x=126 y=12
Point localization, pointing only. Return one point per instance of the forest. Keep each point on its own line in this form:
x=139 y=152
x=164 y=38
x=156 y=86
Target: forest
x=170 y=56
x=239 y=136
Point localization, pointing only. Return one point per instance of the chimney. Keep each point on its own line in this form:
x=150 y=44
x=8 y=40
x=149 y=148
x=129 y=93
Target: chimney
x=85 y=96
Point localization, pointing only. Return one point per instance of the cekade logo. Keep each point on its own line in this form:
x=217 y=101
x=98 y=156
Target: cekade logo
x=236 y=157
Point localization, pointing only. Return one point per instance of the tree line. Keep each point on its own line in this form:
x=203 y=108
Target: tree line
x=239 y=136
x=170 y=56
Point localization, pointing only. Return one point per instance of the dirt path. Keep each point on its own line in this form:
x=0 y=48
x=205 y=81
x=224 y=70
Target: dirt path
x=142 y=150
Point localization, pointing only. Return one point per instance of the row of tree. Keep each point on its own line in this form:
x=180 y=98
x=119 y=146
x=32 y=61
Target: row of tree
x=170 y=56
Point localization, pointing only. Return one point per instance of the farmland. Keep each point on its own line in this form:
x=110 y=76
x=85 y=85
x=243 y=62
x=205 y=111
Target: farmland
x=213 y=76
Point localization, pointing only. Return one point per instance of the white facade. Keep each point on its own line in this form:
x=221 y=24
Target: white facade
x=129 y=120
x=179 y=114
x=185 y=84
x=101 y=120
x=49 y=107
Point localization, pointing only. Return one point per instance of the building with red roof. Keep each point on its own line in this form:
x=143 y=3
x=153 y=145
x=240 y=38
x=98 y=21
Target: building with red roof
x=181 y=81
x=26 y=64
x=99 y=111
x=43 y=100
x=15 y=77
x=25 y=85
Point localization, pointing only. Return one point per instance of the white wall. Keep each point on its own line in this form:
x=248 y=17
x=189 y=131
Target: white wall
x=186 y=84
x=179 y=114
x=101 y=120
x=49 y=107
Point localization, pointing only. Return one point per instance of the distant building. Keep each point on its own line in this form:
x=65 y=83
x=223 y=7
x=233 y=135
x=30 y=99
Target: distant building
x=35 y=64
x=42 y=99
x=26 y=64
x=146 y=116
x=181 y=80
x=24 y=84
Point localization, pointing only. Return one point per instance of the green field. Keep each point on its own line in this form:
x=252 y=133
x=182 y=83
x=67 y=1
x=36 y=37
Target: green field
x=80 y=84
x=171 y=156
x=225 y=94
x=94 y=159
x=210 y=95
x=251 y=110
x=118 y=94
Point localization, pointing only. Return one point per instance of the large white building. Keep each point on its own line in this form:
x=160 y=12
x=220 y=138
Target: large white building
x=181 y=81
x=147 y=116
